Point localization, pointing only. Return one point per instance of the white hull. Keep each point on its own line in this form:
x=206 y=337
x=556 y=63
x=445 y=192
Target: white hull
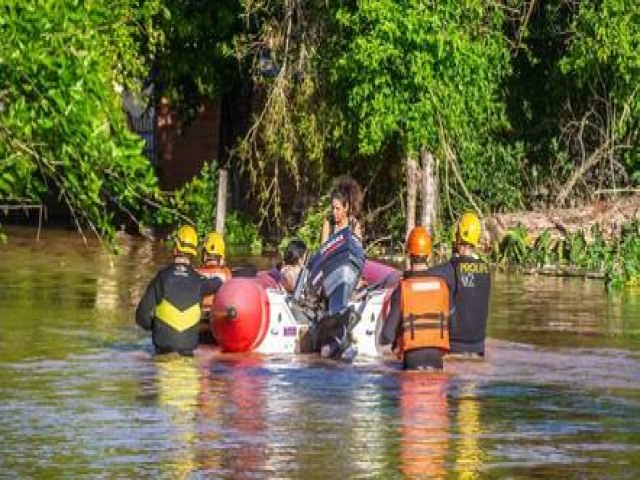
x=284 y=332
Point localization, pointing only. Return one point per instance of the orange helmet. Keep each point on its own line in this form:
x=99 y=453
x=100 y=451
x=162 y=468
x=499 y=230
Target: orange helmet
x=419 y=242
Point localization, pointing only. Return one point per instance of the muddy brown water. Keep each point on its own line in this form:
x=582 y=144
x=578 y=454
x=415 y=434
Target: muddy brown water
x=81 y=395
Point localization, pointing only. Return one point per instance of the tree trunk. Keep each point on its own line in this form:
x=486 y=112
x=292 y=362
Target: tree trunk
x=589 y=163
x=412 y=175
x=221 y=205
x=429 y=190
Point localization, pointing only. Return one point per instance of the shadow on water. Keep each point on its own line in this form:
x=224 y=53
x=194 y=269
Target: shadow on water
x=557 y=397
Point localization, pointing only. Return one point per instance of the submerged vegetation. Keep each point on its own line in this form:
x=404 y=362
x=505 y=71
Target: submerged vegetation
x=581 y=253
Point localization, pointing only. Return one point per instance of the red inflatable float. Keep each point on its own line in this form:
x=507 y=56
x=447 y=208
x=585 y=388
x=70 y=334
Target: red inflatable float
x=240 y=315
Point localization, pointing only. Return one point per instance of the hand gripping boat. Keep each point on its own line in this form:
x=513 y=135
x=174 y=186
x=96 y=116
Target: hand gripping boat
x=329 y=312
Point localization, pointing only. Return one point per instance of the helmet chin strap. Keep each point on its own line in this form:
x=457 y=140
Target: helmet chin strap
x=464 y=249
x=179 y=257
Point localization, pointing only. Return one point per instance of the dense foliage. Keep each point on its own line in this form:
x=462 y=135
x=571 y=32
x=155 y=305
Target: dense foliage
x=195 y=55
x=284 y=151
x=522 y=103
x=427 y=76
x=604 y=60
x=573 y=100
x=194 y=202
x=617 y=259
x=63 y=132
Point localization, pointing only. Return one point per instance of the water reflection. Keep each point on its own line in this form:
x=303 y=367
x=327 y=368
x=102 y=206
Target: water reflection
x=106 y=283
x=243 y=419
x=557 y=396
x=214 y=414
x=425 y=425
x=562 y=312
x=178 y=389
x=469 y=456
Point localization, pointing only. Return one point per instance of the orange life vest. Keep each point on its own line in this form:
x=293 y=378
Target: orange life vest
x=425 y=314
x=213 y=271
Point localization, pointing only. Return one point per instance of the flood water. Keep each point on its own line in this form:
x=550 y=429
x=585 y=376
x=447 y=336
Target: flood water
x=81 y=395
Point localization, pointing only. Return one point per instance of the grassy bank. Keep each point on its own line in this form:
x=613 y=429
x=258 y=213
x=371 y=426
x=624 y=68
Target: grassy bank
x=589 y=253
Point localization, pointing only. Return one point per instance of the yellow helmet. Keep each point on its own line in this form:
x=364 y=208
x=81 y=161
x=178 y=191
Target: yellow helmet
x=187 y=240
x=469 y=229
x=214 y=244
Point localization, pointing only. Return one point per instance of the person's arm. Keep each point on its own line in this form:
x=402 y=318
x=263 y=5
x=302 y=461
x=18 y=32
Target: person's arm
x=210 y=286
x=357 y=230
x=147 y=305
x=289 y=277
x=394 y=318
x=325 y=231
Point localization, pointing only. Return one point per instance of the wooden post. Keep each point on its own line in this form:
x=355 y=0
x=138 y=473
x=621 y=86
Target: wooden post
x=429 y=190
x=221 y=206
x=412 y=192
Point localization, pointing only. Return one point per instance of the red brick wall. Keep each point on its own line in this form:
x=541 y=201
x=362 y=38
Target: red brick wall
x=183 y=151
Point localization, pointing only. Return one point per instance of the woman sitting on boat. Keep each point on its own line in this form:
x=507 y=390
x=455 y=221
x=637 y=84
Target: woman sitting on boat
x=346 y=200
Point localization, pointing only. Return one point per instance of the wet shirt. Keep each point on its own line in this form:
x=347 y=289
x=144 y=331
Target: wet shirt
x=352 y=224
x=170 y=307
x=469 y=282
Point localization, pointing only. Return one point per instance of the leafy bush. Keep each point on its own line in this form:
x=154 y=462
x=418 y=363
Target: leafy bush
x=618 y=259
x=241 y=234
x=623 y=267
x=62 y=127
x=513 y=248
x=194 y=203
x=310 y=228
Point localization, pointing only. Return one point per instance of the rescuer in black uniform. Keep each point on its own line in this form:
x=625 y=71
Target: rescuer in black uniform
x=469 y=282
x=171 y=305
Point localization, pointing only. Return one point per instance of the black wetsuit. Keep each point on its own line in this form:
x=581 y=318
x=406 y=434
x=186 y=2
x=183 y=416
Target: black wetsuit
x=170 y=307
x=469 y=282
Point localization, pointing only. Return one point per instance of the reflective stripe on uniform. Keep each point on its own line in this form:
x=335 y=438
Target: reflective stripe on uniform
x=179 y=320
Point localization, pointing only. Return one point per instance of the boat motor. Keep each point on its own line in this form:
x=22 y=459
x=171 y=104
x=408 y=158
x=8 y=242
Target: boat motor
x=332 y=275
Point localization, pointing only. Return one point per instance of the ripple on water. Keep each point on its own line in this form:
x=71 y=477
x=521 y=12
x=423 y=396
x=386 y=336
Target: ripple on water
x=558 y=395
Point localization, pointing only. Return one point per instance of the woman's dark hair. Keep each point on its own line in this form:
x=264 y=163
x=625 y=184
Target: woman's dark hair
x=347 y=190
x=294 y=251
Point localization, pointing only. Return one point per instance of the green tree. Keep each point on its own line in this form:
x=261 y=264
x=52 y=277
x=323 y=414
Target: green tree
x=284 y=150
x=195 y=57
x=63 y=132
x=602 y=131
x=428 y=76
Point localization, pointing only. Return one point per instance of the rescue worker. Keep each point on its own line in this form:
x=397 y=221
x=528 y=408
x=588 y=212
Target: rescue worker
x=170 y=307
x=418 y=320
x=469 y=282
x=213 y=258
x=213 y=266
